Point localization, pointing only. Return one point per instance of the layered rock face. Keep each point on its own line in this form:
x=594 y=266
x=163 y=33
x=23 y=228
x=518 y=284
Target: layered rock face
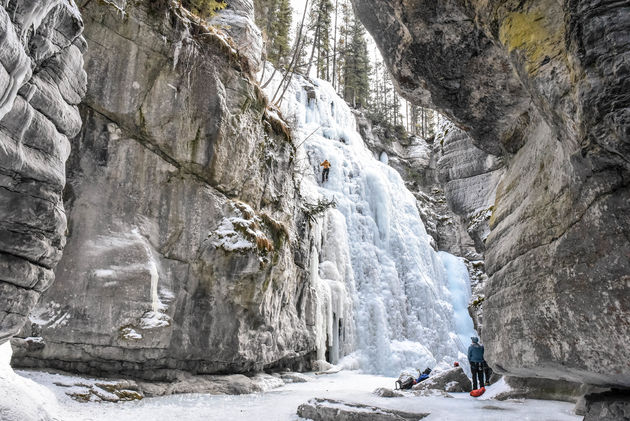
x=183 y=251
x=41 y=82
x=544 y=86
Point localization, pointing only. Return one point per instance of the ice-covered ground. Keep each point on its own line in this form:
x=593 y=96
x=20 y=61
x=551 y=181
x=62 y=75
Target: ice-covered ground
x=33 y=395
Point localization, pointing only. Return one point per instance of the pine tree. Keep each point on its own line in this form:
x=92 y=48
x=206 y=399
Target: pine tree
x=204 y=8
x=357 y=67
x=274 y=17
x=281 y=26
x=320 y=27
x=344 y=39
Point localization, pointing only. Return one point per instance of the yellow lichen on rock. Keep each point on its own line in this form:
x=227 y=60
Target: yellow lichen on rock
x=535 y=34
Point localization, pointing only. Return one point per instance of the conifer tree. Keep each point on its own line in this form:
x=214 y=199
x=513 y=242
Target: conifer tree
x=356 y=67
x=274 y=17
x=320 y=27
x=342 y=47
x=204 y=8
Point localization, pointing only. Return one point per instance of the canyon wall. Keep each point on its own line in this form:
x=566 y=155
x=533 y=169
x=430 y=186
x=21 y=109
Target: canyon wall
x=544 y=86
x=186 y=247
x=41 y=83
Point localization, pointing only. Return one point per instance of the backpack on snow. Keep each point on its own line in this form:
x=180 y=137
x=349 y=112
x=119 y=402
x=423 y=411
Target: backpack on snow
x=405 y=381
x=478 y=392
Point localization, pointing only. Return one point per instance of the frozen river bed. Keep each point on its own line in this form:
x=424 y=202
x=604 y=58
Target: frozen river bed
x=281 y=403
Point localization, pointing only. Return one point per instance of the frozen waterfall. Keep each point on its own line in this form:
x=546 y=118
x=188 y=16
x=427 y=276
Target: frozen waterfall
x=387 y=298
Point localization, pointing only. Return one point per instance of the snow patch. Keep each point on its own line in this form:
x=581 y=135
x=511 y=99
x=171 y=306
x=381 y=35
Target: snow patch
x=154 y=319
x=22 y=399
x=227 y=238
x=279 y=404
x=130 y=333
x=104 y=273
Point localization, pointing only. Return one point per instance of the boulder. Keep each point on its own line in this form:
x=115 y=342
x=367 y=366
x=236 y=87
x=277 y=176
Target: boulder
x=235 y=384
x=529 y=388
x=453 y=380
x=428 y=393
x=384 y=392
x=321 y=366
x=328 y=409
x=295 y=378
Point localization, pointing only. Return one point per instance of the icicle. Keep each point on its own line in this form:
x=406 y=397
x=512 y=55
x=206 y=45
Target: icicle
x=153 y=271
x=34 y=17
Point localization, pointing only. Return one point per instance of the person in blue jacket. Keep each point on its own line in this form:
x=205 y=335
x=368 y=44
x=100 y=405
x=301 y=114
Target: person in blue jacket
x=475 y=357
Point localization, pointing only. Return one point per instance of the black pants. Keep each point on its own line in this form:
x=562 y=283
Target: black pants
x=325 y=174
x=477 y=374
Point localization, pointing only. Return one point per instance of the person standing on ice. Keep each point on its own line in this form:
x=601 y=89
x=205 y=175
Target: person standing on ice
x=326 y=166
x=475 y=357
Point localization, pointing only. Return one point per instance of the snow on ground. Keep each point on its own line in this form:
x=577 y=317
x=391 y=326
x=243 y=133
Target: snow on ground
x=22 y=399
x=281 y=403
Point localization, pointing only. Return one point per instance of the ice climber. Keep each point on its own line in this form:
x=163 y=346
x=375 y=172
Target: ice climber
x=326 y=166
x=475 y=357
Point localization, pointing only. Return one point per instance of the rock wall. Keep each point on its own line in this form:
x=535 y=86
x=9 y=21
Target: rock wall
x=544 y=86
x=186 y=249
x=41 y=82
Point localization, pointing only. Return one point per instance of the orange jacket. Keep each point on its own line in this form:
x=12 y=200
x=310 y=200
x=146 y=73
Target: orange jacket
x=325 y=164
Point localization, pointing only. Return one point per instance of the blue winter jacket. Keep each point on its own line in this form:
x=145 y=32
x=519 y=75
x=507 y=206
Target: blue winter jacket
x=422 y=377
x=475 y=353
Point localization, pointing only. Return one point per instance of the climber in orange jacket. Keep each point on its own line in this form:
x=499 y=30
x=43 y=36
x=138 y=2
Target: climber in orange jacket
x=326 y=166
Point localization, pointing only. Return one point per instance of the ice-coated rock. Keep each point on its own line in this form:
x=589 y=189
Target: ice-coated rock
x=453 y=180
x=41 y=82
x=329 y=409
x=182 y=237
x=453 y=380
x=395 y=300
x=544 y=86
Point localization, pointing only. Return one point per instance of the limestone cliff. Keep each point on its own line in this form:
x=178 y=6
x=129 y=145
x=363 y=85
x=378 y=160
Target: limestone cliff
x=543 y=85
x=184 y=241
x=41 y=82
